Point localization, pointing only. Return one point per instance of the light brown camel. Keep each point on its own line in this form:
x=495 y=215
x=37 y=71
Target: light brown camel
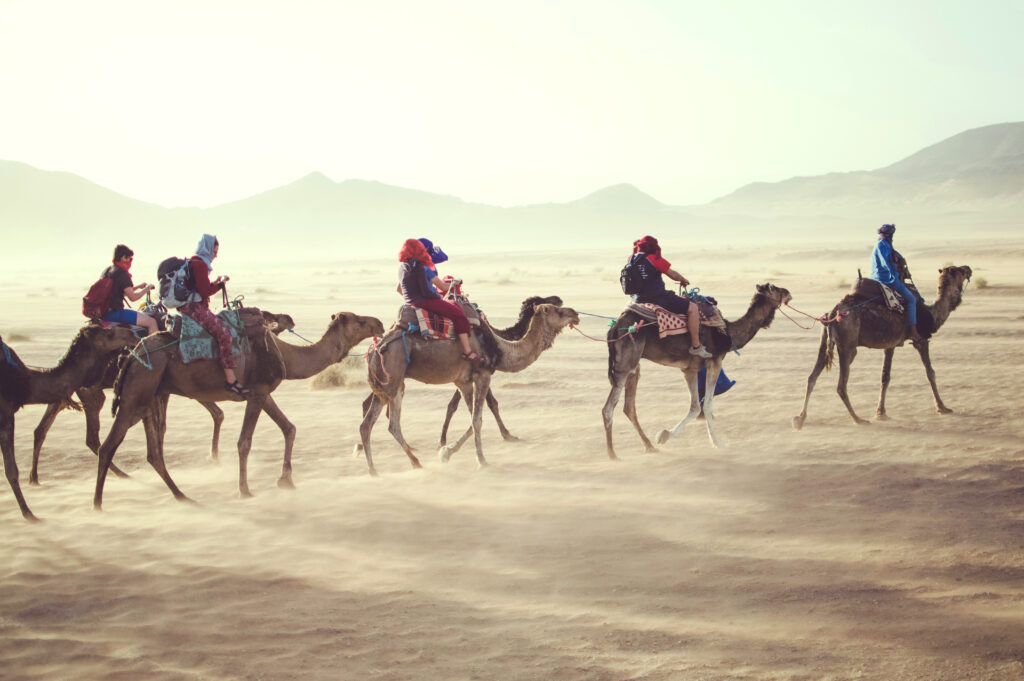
x=89 y=353
x=440 y=362
x=626 y=349
x=141 y=393
x=91 y=398
x=874 y=325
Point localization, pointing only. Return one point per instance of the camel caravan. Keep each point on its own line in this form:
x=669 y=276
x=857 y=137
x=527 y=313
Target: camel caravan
x=178 y=346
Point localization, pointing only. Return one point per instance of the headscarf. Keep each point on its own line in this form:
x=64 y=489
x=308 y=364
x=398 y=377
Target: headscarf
x=435 y=252
x=124 y=266
x=413 y=249
x=886 y=231
x=205 y=249
x=648 y=245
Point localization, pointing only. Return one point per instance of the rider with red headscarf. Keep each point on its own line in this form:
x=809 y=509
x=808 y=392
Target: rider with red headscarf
x=415 y=287
x=647 y=256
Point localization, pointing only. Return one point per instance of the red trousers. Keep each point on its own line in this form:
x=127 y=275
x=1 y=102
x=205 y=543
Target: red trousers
x=445 y=309
x=215 y=327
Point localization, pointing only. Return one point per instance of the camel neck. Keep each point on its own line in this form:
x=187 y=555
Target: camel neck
x=303 y=361
x=519 y=354
x=759 y=315
x=53 y=385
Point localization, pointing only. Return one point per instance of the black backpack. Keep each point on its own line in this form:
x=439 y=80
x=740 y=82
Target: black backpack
x=632 y=278
x=176 y=284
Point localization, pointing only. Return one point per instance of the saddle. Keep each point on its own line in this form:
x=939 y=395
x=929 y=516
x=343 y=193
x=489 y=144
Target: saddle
x=244 y=323
x=670 y=323
x=433 y=326
x=867 y=289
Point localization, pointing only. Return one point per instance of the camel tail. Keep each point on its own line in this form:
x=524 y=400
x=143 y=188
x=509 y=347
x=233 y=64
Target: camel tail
x=828 y=346
x=123 y=364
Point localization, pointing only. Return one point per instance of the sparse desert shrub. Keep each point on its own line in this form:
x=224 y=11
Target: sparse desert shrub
x=16 y=337
x=843 y=284
x=981 y=282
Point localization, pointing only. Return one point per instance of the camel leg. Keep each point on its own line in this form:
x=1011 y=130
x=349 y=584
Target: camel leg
x=886 y=373
x=694 y=412
x=709 y=401
x=118 y=430
x=93 y=399
x=492 y=404
x=373 y=407
x=922 y=349
x=629 y=408
x=271 y=409
x=846 y=357
x=154 y=426
x=819 y=366
x=10 y=465
x=446 y=451
x=395 y=427
x=45 y=423
x=453 y=406
x=480 y=390
x=253 y=407
x=218 y=418
x=608 y=411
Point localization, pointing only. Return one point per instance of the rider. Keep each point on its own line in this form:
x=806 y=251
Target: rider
x=123 y=288
x=200 y=264
x=652 y=266
x=437 y=256
x=415 y=288
x=884 y=269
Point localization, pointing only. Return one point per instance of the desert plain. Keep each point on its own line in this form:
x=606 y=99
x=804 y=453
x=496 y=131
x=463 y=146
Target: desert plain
x=891 y=551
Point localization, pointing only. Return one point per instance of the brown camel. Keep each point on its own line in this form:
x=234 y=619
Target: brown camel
x=874 y=325
x=439 y=362
x=141 y=393
x=89 y=353
x=626 y=349
x=91 y=399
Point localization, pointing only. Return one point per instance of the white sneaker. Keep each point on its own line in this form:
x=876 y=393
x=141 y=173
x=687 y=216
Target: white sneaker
x=700 y=351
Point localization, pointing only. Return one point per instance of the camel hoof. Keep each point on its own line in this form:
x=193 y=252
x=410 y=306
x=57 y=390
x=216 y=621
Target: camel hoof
x=944 y=410
x=30 y=517
x=663 y=437
x=862 y=422
x=649 y=449
x=798 y=422
x=445 y=453
x=33 y=482
x=119 y=473
x=613 y=456
x=373 y=472
x=244 y=494
x=881 y=417
x=511 y=438
x=285 y=483
x=357 y=451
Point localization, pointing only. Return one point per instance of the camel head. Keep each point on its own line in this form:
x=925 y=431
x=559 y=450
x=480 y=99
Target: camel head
x=555 y=318
x=772 y=297
x=277 y=322
x=952 y=281
x=356 y=327
x=94 y=336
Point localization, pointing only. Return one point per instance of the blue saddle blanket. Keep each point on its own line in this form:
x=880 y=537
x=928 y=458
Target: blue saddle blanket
x=196 y=343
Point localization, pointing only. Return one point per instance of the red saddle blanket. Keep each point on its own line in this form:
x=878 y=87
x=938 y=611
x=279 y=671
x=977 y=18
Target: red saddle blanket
x=670 y=323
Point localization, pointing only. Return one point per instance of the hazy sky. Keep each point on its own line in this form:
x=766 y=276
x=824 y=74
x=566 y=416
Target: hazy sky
x=198 y=103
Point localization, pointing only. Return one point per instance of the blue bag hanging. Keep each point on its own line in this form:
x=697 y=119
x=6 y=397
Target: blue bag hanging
x=721 y=386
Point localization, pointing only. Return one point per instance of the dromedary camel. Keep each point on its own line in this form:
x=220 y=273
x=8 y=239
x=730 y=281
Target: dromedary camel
x=439 y=362
x=91 y=399
x=141 y=393
x=874 y=325
x=626 y=349
x=89 y=353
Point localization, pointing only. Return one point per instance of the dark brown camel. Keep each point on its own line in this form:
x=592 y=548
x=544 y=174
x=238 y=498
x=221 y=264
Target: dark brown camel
x=141 y=393
x=92 y=397
x=440 y=362
x=874 y=325
x=625 y=350
x=89 y=353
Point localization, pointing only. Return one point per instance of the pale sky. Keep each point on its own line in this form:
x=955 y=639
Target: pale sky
x=508 y=103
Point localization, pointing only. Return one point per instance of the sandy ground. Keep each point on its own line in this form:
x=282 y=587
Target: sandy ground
x=890 y=551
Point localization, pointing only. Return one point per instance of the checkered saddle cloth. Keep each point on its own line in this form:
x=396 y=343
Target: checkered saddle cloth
x=670 y=323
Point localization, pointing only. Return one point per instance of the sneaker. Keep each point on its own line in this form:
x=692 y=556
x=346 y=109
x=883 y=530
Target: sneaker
x=700 y=351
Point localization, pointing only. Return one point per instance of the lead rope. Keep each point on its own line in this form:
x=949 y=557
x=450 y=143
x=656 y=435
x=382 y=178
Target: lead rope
x=375 y=345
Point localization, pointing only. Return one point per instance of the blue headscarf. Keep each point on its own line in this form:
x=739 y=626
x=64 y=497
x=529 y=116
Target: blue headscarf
x=205 y=249
x=435 y=252
x=886 y=231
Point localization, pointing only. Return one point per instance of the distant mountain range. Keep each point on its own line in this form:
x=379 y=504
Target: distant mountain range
x=978 y=174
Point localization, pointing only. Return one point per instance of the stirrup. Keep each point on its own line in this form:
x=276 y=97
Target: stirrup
x=236 y=389
x=473 y=357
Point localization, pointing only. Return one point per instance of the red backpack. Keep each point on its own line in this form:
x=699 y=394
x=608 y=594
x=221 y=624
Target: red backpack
x=96 y=302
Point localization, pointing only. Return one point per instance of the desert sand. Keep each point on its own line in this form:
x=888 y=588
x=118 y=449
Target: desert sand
x=892 y=551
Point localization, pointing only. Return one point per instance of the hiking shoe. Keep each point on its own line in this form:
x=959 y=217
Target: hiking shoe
x=701 y=352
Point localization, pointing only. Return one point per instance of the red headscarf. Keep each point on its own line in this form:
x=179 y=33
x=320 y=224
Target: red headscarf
x=412 y=248
x=648 y=245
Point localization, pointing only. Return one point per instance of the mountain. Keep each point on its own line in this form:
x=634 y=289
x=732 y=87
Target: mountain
x=974 y=178
x=980 y=170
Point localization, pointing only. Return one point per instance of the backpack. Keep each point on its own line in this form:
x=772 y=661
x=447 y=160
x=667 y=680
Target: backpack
x=96 y=302
x=176 y=285
x=631 y=278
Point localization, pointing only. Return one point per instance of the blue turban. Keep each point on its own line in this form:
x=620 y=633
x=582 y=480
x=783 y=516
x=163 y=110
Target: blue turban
x=435 y=252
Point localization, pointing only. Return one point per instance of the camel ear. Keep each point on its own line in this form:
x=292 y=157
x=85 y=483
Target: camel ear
x=761 y=288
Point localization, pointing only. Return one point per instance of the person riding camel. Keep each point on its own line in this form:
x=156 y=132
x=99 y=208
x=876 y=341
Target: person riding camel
x=437 y=256
x=201 y=264
x=123 y=288
x=414 y=285
x=652 y=266
x=885 y=269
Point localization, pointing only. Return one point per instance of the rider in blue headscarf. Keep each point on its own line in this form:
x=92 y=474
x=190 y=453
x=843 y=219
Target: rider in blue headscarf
x=885 y=270
x=437 y=256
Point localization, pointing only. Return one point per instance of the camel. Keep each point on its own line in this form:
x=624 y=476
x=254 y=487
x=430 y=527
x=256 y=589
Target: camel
x=87 y=356
x=91 y=399
x=141 y=393
x=439 y=362
x=627 y=347
x=873 y=325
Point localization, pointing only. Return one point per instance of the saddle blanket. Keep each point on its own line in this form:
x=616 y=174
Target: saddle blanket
x=670 y=323
x=433 y=326
x=865 y=289
x=196 y=343
x=893 y=299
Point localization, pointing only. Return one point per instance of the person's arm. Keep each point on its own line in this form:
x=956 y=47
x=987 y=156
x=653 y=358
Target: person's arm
x=675 y=276
x=439 y=284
